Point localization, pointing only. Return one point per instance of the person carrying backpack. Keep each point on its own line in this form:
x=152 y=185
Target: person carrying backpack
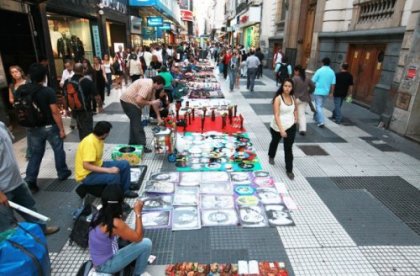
x=79 y=91
x=284 y=72
x=37 y=110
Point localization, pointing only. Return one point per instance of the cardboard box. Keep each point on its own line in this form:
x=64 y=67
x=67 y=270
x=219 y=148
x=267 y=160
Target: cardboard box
x=132 y=153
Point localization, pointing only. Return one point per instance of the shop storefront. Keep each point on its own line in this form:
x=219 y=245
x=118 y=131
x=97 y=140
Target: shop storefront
x=71 y=39
x=135 y=34
x=249 y=25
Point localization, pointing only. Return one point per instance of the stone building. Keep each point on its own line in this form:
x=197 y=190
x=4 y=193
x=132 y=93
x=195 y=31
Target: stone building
x=378 y=38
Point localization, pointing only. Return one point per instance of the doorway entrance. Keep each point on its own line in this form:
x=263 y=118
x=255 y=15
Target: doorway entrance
x=307 y=37
x=365 y=64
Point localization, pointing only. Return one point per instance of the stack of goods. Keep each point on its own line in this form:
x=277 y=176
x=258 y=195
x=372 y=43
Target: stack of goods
x=214 y=151
x=132 y=153
x=242 y=268
x=190 y=200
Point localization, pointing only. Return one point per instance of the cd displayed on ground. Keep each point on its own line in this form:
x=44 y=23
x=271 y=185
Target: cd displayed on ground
x=269 y=195
x=278 y=215
x=261 y=174
x=247 y=200
x=167 y=176
x=240 y=178
x=252 y=216
x=190 y=179
x=161 y=187
x=186 y=196
x=263 y=181
x=135 y=175
x=219 y=217
x=217 y=201
x=156 y=202
x=156 y=219
x=213 y=165
x=214 y=176
x=185 y=218
x=246 y=166
x=223 y=188
x=243 y=190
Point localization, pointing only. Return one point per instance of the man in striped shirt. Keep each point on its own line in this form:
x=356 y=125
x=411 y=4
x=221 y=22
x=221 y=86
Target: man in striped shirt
x=139 y=94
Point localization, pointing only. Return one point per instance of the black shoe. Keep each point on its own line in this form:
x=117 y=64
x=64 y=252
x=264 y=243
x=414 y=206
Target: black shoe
x=303 y=133
x=72 y=127
x=147 y=150
x=33 y=187
x=134 y=187
x=130 y=194
x=290 y=175
x=271 y=161
x=321 y=125
x=65 y=176
x=49 y=230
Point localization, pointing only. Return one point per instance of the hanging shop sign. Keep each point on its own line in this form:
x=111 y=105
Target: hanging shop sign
x=135 y=25
x=187 y=15
x=96 y=40
x=166 y=26
x=154 y=21
x=184 y=4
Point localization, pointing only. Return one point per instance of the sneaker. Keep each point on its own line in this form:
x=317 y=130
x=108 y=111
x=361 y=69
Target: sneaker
x=49 y=230
x=33 y=187
x=65 y=176
x=303 y=133
x=290 y=175
x=271 y=161
x=130 y=194
x=321 y=125
x=147 y=150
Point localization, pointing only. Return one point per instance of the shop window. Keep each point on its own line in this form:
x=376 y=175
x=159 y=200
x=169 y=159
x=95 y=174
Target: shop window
x=70 y=39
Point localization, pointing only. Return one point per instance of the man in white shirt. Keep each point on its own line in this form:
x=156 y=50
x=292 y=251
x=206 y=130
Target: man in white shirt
x=277 y=59
x=147 y=55
x=252 y=63
x=67 y=72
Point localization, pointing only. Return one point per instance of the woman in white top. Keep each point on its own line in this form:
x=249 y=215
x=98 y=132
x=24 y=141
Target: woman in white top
x=108 y=72
x=283 y=125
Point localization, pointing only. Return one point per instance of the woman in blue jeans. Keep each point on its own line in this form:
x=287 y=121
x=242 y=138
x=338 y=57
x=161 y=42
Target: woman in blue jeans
x=108 y=226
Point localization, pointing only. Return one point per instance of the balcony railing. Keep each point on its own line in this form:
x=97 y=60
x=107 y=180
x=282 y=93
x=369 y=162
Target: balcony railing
x=377 y=10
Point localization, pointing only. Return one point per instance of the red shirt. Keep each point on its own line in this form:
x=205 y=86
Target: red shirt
x=227 y=59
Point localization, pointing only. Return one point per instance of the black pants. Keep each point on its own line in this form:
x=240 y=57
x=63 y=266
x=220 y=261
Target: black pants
x=288 y=144
x=225 y=70
x=134 y=77
x=137 y=135
x=84 y=120
x=260 y=71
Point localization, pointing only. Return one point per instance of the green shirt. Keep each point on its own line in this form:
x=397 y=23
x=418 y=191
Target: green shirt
x=168 y=79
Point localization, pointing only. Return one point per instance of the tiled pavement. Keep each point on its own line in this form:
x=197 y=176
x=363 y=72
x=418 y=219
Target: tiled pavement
x=357 y=194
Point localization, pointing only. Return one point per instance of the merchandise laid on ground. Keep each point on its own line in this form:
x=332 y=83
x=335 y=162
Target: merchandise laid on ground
x=213 y=205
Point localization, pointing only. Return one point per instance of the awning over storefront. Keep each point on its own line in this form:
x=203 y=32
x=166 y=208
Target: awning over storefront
x=156 y=8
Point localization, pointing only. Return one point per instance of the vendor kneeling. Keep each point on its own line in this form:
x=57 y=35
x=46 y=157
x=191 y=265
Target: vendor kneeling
x=107 y=226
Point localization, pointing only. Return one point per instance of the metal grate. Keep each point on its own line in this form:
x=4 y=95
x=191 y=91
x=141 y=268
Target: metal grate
x=62 y=186
x=313 y=150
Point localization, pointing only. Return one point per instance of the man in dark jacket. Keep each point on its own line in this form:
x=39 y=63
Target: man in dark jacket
x=84 y=117
x=343 y=87
x=52 y=129
x=260 y=56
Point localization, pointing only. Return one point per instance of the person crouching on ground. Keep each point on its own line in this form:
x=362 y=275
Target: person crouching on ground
x=283 y=125
x=105 y=229
x=92 y=170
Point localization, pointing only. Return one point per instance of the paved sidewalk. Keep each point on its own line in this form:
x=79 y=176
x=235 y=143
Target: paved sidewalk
x=356 y=188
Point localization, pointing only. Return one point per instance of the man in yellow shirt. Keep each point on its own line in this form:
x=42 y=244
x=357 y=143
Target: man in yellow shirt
x=92 y=170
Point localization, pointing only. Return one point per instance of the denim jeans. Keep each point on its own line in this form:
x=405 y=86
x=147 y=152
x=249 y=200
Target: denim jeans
x=139 y=251
x=338 y=102
x=250 y=79
x=38 y=137
x=122 y=178
x=232 y=78
x=319 y=103
x=84 y=120
x=22 y=196
x=287 y=145
x=137 y=134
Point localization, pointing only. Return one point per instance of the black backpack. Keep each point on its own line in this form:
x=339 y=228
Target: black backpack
x=80 y=232
x=283 y=72
x=28 y=111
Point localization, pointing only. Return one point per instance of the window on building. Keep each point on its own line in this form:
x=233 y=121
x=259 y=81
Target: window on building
x=376 y=10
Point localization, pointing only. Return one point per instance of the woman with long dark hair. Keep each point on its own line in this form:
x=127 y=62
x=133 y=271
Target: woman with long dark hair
x=100 y=77
x=107 y=226
x=89 y=72
x=303 y=89
x=283 y=125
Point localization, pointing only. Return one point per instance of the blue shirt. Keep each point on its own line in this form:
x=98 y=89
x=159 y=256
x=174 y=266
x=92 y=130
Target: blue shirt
x=324 y=77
